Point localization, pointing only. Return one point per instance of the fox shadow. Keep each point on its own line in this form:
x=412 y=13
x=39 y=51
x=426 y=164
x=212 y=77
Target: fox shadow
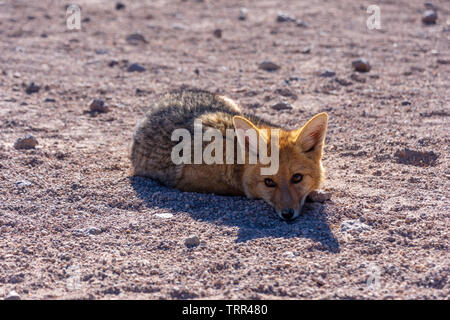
x=253 y=218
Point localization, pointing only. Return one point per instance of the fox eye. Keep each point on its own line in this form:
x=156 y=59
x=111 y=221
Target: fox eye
x=270 y=183
x=296 y=178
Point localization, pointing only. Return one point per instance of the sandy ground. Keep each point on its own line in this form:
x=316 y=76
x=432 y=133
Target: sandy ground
x=74 y=224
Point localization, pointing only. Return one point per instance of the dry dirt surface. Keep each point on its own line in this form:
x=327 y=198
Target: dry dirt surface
x=75 y=225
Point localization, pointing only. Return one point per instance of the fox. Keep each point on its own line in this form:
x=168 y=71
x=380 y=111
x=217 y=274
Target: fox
x=300 y=151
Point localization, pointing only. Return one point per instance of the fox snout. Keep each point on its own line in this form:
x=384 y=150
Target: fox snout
x=287 y=214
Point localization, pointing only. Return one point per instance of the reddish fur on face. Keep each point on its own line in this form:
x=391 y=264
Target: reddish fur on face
x=295 y=157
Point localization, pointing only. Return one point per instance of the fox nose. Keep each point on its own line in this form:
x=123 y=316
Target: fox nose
x=287 y=214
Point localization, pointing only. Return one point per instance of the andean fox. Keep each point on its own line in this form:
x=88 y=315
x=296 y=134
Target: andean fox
x=299 y=152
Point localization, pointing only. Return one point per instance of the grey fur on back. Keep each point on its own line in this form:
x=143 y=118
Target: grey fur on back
x=151 y=147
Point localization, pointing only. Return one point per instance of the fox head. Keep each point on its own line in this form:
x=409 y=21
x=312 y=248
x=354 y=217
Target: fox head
x=300 y=164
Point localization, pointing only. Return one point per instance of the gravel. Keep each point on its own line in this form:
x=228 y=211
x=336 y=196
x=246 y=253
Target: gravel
x=12 y=295
x=192 y=241
x=243 y=12
x=86 y=231
x=164 y=215
x=282 y=105
x=218 y=33
x=429 y=17
x=81 y=171
x=23 y=183
x=135 y=67
x=361 y=65
x=135 y=39
x=27 y=142
x=327 y=74
x=97 y=105
x=267 y=65
x=32 y=88
x=354 y=225
x=283 y=17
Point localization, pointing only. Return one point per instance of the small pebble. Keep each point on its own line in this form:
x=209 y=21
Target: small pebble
x=12 y=295
x=164 y=215
x=23 y=183
x=92 y=230
x=306 y=51
x=361 y=65
x=410 y=218
x=283 y=105
x=243 y=14
x=135 y=68
x=32 y=88
x=135 y=39
x=282 y=17
x=319 y=195
x=86 y=231
x=301 y=23
x=97 y=105
x=296 y=78
x=289 y=254
x=328 y=74
x=192 y=241
x=120 y=6
x=101 y=51
x=218 y=33
x=429 y=17
x=28 y=142
x=319 y=281
x=49 y=100
x=377 y=173
x=354 y=225
x=268 y=66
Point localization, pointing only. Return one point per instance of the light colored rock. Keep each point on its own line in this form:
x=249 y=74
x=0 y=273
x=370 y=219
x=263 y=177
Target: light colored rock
x=429 y=17
x=12 y=295
x=282 y=105
x=23 y=183
x=319 y=195
x=92 y=230
x=289 y=254
x=243 y=14
x=354 y=225
x=164 y=215
x=86 y=231
x=283 y=17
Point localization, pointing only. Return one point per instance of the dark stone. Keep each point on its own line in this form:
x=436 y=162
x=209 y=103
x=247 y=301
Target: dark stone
x=135 y=67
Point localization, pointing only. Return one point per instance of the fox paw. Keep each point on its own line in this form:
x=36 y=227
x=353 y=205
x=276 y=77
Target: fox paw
x=319 y=195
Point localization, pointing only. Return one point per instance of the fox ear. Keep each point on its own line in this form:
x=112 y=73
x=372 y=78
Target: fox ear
x=311 y=136
x=245 y=137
